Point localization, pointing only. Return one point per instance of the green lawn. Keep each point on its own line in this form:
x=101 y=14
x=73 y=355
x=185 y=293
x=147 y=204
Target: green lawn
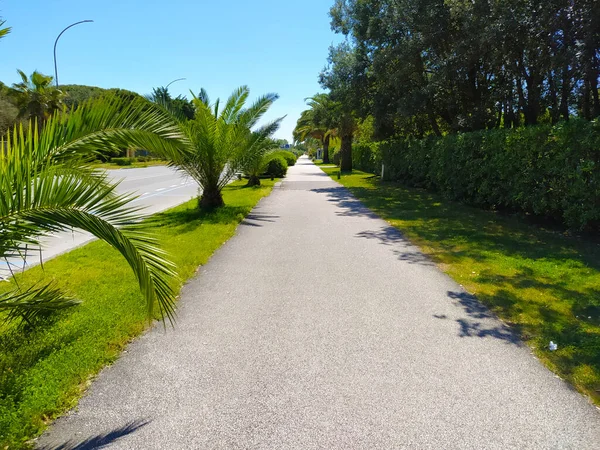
x=134 y=165
x=544 y=284
x=44 y=371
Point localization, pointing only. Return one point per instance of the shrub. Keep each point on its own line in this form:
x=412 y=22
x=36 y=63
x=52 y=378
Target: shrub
x=550 y=171
x=365 y=157
x=289 y=157
x=277 y=167
x=122 y=161
x=335 y=156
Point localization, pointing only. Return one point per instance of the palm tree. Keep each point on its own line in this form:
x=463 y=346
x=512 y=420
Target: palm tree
x=36 y=97
x=3 y=31
x=218 y=141
x=257 y=158
x=318 y=122
x=46 y=186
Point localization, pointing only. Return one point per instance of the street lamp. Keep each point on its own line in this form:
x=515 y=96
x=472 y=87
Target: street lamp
x=178 y=79
x=56 y=42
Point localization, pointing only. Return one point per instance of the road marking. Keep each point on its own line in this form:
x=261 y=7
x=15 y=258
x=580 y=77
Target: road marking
x=173 y=185
x=160 y=193
x=161 y=189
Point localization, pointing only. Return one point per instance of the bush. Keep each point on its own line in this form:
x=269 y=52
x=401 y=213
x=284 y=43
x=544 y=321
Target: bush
x=550 y=171
x=122 y=161
x=143 y=159
x=289 y=157
x=365 y=157
x=277 y=167
x=335 y=156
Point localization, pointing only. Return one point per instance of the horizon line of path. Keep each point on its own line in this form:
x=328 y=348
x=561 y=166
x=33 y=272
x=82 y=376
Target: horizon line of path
x=318 y=325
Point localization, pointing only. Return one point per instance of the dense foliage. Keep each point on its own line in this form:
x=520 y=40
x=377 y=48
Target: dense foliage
x=432 y=66
x=277 y=167
x=550 y=171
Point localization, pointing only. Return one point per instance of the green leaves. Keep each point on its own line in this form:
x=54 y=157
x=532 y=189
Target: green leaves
x=219 y=141
x=46 y=186
x=3 y=31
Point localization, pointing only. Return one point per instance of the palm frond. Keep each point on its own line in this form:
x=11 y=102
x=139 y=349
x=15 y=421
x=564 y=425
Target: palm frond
x=33 y=303
x=45 y=186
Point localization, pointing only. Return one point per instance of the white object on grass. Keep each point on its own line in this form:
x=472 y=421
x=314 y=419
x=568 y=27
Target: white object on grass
x=552 y=346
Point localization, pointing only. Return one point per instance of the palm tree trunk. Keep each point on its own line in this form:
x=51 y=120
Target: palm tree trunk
x=211 y=198
x=326 y=150
x=253 y=180
x=346 y=153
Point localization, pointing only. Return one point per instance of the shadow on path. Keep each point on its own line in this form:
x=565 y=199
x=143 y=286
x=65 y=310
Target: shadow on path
x=101 y=440
x=258 y=217
x=473 y=326
x=345 y=200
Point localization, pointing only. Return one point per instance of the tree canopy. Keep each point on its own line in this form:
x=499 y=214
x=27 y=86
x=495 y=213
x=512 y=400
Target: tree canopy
x=435 y=66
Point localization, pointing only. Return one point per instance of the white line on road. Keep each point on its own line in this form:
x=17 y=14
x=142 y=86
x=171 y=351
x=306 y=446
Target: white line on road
x=161 y=189
x=159 y=193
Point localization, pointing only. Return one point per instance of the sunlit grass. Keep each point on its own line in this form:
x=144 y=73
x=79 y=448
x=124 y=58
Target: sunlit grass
x=44 y=371
x=544 y=284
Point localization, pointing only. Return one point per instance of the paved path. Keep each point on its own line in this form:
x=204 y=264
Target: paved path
x=318 y=327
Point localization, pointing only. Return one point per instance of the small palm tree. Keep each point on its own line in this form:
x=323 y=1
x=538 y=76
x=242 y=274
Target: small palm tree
x=36 y=97
x=318 y=122
x=219 y=142
x=46 y=186
x=258 y=156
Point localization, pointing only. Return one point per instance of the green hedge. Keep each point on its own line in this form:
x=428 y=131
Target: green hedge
x=277 y=167
x=365 y=157
x=122 y=161
x=551 y=171
x=289 y=157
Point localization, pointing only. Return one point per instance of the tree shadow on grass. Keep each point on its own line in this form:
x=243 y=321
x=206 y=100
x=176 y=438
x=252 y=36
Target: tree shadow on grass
x=101 y=440
x=544 y=284
x=433 y=218
x=188 y=219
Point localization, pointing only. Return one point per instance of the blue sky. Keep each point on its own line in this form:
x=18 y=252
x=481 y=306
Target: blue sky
x=270 y=45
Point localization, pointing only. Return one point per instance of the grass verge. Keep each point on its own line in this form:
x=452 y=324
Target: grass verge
x=544 y=284
x=133 y=165
x=44 y=371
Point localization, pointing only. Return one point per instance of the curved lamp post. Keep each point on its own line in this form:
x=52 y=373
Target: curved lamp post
x=56 y=42
x=178 y=79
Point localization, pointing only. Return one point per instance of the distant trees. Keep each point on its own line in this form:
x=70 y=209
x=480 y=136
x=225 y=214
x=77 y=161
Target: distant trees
x=179 y=105
x=318 y=122
x=430 y=66
x=35 y=97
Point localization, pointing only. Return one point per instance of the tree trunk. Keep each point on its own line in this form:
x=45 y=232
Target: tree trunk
x=253 y=180
x=565 y=91
x=346 y=153
x=326 y=150
x=434 y=124
x=555 y=113
x=211 y=198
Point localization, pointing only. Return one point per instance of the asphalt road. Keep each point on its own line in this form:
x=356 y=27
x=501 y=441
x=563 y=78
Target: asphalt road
x=319 y=327
x=159 y=188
